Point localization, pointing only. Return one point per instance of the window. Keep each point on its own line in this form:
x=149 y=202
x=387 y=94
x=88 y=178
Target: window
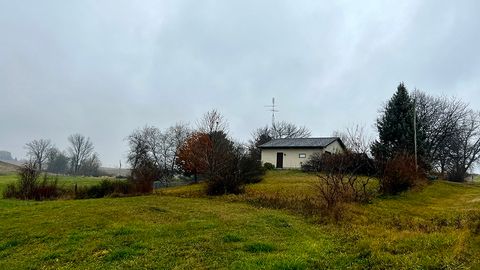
x=302 y=155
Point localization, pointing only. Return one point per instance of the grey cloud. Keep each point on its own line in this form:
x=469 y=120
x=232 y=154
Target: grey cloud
x=104 y=68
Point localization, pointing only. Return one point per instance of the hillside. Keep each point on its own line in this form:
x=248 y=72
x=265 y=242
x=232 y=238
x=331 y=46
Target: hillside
x=7 y=168
x=437 y=227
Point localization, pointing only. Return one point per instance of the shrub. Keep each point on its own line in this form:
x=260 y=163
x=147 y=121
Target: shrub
x=10 y=191
x=456 y=173
x=313 y=163
x=48 y=189
x=268 y=166
x=251 y=169
x=143 y=176
x=105 y=188
x=29 y=187
x=237 y=169
x=226 y=184
x=399 y=174
x=348 y=162
x=339 y=183
x=28 y=181
x=361 y=163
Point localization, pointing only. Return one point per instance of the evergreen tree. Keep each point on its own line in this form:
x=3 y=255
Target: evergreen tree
x=396 y=128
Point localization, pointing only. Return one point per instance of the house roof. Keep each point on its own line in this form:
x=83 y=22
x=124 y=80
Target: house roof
x=301 y=143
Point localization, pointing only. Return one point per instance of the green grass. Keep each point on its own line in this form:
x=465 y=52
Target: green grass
x=435 y=228
x=286 y=182
x=282 y=182
x=132 y=233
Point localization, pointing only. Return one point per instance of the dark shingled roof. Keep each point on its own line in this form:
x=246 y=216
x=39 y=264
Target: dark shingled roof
x=301 y=143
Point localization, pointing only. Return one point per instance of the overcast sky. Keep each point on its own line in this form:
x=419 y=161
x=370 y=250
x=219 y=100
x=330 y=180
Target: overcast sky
x=105 y=68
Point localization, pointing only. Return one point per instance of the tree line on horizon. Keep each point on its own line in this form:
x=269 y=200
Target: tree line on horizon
x=78 y=159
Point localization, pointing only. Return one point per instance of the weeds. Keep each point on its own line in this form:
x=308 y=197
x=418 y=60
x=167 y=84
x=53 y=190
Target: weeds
x=29 y=187
x=303 y=204
x=113 y=188
x=259 y=247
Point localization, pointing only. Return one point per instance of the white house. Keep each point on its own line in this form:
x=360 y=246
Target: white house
x=291 y=153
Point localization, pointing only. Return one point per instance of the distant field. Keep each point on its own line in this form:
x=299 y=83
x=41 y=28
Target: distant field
x=436 y=228
x=115 y=171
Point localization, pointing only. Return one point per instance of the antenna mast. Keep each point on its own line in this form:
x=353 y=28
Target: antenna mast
x=272 y=108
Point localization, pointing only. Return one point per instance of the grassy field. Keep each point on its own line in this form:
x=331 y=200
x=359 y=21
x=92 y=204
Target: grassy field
x=178 y=228
x=64 y=181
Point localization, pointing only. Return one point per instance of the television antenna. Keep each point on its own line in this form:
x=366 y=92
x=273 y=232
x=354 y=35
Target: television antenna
x=272 y=108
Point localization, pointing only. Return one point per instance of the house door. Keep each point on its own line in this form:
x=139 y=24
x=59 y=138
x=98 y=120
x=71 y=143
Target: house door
x=279 y=160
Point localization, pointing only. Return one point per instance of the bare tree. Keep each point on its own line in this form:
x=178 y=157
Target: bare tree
x=144 y=158
x=145 y=147
x=158 y=149
x=166 y=152
x=355 y=139
x=80 y=149
x=91 y=166
x=465 y=148
x=452 y=134
x=438 y=119
x=37 y=151
x=153 y=138
x=212 y=121
x=288 y=130
x=176 y=137
x=215 y=126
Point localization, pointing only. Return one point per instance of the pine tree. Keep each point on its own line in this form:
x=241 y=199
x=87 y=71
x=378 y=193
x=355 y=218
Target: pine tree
x=396 y=128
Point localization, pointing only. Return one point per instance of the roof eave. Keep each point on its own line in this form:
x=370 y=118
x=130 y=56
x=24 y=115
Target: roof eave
x=291 y=147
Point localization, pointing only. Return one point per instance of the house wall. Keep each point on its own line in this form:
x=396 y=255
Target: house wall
x=334 y=148
x=291 y=159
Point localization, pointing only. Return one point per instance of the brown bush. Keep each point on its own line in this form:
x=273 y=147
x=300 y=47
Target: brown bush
x=339 y=184
x=400 y=174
